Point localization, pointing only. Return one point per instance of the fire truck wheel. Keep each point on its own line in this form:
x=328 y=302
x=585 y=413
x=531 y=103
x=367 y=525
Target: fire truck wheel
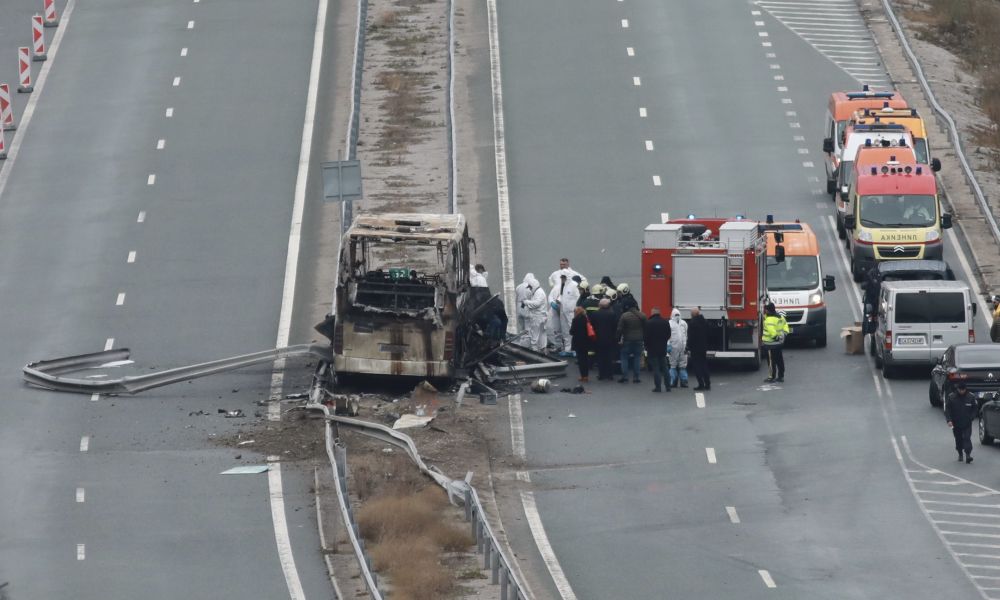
x=753 y=364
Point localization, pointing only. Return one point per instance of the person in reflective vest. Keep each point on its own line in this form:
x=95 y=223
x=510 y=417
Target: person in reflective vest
x=774 y=331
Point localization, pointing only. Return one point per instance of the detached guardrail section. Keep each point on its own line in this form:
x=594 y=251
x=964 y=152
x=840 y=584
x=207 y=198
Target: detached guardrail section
x=487 y=545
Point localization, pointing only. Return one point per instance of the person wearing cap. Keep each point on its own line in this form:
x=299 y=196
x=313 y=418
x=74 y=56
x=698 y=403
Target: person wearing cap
x=656 y=338
x=774 y=331
x=960 y=409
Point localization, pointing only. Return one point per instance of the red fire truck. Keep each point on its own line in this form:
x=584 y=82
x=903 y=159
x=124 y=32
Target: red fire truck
x=717 y=265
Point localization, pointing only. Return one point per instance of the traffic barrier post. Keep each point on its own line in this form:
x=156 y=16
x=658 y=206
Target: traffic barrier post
x=24 y=85
x=3 y=146
x=38 y=38
x=51 y=18
x=6 y=110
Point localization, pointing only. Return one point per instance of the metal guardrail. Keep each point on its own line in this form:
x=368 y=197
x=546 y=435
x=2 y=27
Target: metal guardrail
x=48 y=373
x=494 y=558
x=953 y=129
x=354 y=124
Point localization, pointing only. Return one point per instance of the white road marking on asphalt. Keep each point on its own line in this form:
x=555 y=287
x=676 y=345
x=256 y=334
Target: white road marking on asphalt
x=786 y=100
x=762 y=33
x=955 y=513
x=733 y=517
x=766 y=44
x=109 y=344
x=121 y=299
x=29 y=109
x=544 y=547
x=983 y=309
x=795 y=125
x=755 y=13
x=972 y=504
x=710 y=454
x=131 y=257
x=699 y=399
x=803 y=150
x=190 y=25
x=802 y=138
x=768 y=580
x=95 y=397
x=771 y=55
x=177 y=81
x=160 y=144
x=758 y=23
x=184 y=51
x=779 y=77
x=624 y=23
x=81 y=552
x=656 y=180
x=642 y=112
x=775 y=67
x=81 y=495
x=142 y=217
x=516 y=426
x=151 y=180
x=170 y=112
x=281 y=528
x=85 y=443
x=808 y=164
x=649 y=145
x=630 y=51
x=636 y=81
x=967 y=524
x=974 y=535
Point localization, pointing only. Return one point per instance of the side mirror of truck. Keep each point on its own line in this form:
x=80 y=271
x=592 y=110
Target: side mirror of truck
x=946 y=221
x=829 y=284
x=828 y=145
x=935 y=164
x=974 y=307
x=849 y=221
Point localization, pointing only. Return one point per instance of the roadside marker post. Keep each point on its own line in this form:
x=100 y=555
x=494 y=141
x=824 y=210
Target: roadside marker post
x=51 y=18
x=6 y=111
x=3 y=146
x=38 y=38
x=24 y=71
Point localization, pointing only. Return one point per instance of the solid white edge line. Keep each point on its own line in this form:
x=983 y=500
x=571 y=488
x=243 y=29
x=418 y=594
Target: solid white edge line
x=29 y=109
x=545 y=547
x=279 y=520
x=322 y=536
x=500 y=156
x=516 y=426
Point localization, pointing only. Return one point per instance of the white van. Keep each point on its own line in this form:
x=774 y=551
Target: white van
x=918 y=320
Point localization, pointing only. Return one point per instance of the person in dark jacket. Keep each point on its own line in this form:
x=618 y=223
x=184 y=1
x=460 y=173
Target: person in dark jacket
x=656 y=337
x=698 y=347
x=960 y=409
x=581 y=343
x=605 y=324
x=631 y=330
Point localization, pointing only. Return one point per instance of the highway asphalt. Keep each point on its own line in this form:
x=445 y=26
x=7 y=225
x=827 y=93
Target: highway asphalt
x=149 y=208
x=835 y=484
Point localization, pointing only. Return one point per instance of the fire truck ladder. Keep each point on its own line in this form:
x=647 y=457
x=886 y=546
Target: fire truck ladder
x=735 y=279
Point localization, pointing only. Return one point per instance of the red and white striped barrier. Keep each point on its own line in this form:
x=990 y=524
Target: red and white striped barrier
x=51 y=18
x=6 y=112
x=3 y=146
x=24 y=71
x=38 y=38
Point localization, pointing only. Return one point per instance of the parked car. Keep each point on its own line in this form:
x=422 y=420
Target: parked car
x=897 y=270
x=976 y=365
x=989 y=419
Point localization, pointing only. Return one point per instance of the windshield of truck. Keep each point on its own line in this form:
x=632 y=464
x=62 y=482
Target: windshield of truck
x=902 y=210
x=930 y=307
x=920 y=149
x=795 y=273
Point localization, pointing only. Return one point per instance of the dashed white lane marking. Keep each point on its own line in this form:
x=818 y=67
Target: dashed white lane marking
x=151 y=179
x=649 y=145
x=795 y=125
x=624 y=23
x=120 y=300
x=699 y=399
x=190 y=25
x=636 y=81
x=109 y=344
x=792 y=113
x=142 y=217
x=766 y=44
x=131 y=257
x=803 y=150
x=775 y=67
x=184 y=51
x=779 y=77
x=808 y=164
x=734 y=518
x=642 y=112
x=656 y=181
x=81 y=495
x=81 y=552
x=630 y=51
x=771 y=55
x=170 y=112
x=161 y=144
x=762 y=33
x=95 y=397
x=754 y=13
x=768 y=580
x=710 y=454
x=758 y=23
x=177 y=81
x=85 y=443
x=786 y=100
x=782 y=88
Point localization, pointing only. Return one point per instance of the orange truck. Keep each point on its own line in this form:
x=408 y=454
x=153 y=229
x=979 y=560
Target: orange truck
x=840 y=110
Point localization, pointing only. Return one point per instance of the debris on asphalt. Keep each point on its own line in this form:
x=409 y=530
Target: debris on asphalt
x=297 y=396
x=246 y=470
x=232 y=414
x=407 y=421
x=541 y=386
x=574 y=390
x=245 y=443
x=571 y=416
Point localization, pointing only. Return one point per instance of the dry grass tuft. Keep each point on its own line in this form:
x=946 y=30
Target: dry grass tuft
x=450 y=538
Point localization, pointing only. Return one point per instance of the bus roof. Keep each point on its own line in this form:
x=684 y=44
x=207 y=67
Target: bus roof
x=844 y=104
x=798 y=241
x=920 y=180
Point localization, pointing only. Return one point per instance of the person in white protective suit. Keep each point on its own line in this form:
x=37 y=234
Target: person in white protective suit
x=534 y=310
x=562 y=303
x=562 y=270
x=477 y=276
x=522 y=292
x=677 y=350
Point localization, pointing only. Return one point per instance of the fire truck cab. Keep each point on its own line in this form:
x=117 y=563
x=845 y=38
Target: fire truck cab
x=716 y=265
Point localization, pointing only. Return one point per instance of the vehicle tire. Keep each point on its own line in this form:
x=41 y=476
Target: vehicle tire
x=877 y=356
x=871 y=345
x=984 y=436
x=889 y=371
x=821 y=340
x=935 y=395
x=753 y=364
x=831 y=188
x=841 y=232
x=856 y=273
